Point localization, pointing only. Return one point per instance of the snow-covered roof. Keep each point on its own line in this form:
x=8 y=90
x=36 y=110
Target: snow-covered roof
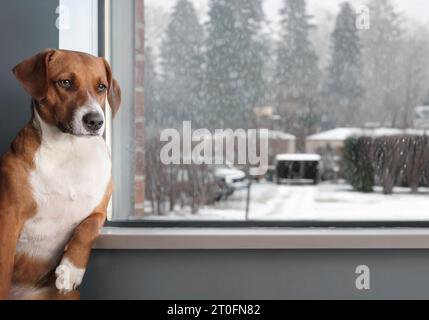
x=272 y=134
x=335 y=134
x=340 y=134
x=298 y=157
x=275 y=134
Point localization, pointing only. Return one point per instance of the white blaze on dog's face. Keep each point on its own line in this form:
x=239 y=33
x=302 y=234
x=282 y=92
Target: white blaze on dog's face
x=87 y=119
x=71 y=89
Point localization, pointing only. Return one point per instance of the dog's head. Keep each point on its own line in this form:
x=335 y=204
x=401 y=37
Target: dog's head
x=71 y=89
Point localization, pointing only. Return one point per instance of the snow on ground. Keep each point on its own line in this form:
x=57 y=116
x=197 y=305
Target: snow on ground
x=309 y=202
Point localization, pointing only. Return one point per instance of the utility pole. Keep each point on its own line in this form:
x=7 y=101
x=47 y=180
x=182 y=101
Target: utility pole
x=248 y=199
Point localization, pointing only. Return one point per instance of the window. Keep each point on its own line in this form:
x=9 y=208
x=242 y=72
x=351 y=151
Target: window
x=270 y=111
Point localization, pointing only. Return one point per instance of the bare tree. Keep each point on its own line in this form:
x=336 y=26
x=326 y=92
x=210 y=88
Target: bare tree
x=415 y=72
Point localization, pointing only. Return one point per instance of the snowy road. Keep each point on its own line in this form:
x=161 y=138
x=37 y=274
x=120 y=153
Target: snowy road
x=322 y=202
x=301 y=199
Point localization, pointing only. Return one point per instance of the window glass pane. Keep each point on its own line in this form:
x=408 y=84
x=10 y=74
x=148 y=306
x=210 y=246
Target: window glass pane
x=281 y=110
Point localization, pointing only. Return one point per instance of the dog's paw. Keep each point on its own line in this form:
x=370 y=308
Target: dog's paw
x=69 y=277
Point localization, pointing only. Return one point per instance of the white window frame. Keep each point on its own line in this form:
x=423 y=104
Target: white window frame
x=75 y=19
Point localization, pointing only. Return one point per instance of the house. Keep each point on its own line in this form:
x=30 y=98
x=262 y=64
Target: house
x=331 y=139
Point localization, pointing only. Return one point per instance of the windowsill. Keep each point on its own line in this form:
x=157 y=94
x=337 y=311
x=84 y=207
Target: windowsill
x=263 y=238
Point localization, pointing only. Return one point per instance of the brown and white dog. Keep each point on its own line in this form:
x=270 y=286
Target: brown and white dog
x=55 y=181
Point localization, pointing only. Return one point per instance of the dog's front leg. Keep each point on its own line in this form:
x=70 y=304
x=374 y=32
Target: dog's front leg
x=70 y=271
x=9 y=230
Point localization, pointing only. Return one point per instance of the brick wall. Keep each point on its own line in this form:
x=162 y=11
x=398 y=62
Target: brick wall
x=139 y=178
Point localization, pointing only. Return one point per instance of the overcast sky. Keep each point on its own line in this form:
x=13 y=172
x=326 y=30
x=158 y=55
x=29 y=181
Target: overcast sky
x=417 y=9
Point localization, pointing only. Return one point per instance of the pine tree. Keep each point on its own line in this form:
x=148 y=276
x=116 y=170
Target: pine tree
x=182 y=66
x=250 y=45
x=297 y=75
x=234 y=62
x=382 y=44
x=344 y=83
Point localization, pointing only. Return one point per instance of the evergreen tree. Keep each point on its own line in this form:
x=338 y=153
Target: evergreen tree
x=182 y=66
x=297 y=75
x=251 y=47
x=344 y=83
x=234 y=57
x=382 y=43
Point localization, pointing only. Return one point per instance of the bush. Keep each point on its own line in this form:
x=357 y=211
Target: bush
x=357 y=163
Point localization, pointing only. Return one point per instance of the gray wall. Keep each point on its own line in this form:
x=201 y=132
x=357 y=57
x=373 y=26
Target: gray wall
x=255 y=274
x=26 y=27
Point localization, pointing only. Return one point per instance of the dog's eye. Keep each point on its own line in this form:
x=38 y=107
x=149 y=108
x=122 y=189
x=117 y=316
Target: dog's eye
x=66 y=84
x=101 y=87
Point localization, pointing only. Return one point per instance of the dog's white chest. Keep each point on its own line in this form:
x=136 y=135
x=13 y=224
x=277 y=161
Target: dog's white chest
x=69 y=180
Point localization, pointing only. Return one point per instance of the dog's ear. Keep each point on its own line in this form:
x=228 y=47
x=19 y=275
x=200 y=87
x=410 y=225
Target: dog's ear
x=114 y=90
x=114 y=96
x=33 y=73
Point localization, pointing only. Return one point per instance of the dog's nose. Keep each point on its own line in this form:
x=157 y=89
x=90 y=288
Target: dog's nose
x=93 y=121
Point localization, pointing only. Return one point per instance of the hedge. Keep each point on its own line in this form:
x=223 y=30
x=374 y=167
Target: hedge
x=388 y=160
